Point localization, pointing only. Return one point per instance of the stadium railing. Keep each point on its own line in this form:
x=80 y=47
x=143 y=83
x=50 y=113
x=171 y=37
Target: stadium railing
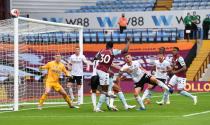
x=202 y=68
x=106 y=35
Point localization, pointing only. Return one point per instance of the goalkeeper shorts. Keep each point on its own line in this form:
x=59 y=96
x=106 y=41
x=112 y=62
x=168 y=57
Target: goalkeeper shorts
x=55 y=85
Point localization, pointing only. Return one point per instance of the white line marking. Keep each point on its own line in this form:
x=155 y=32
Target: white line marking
x=91 y=103
x=86 y=116
x=198 y=113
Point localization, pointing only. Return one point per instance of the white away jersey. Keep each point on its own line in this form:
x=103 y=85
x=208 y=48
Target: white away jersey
x=137 y=73
x=161 y=69
x=77 y=64
x=95 y=64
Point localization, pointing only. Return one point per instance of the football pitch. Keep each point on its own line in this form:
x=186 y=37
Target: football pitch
x=181 y=111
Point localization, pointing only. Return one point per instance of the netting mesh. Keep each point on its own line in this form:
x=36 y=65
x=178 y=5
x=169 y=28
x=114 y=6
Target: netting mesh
x=38 y=43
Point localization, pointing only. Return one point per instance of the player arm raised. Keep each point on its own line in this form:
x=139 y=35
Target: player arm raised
x=125 y=50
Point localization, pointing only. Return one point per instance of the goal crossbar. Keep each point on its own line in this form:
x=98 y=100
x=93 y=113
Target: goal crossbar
x=16 y=51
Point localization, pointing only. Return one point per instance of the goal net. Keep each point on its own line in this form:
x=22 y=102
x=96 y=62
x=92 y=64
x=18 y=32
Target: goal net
x=26 y=44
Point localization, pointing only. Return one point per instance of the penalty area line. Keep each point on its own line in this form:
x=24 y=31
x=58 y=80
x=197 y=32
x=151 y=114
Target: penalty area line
x=89 y=116
x=198 y=113
x=62 y=105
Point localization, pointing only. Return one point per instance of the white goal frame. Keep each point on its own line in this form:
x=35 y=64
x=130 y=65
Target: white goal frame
x=16 y=53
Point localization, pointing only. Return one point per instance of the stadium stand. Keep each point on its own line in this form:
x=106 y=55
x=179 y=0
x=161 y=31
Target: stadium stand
x=100 y=36
x=200 y=63
x=116 y=6
x=49 y=6
x=190 y=4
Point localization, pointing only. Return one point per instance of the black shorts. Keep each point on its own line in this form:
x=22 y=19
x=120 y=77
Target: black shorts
x=94 y=82
x=76 y=79
x=162 y=80
x=145 y=79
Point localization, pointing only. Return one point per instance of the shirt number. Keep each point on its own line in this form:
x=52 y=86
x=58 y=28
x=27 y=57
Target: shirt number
x=105 y=58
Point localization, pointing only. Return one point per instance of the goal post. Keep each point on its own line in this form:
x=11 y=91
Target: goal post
x=26 y=45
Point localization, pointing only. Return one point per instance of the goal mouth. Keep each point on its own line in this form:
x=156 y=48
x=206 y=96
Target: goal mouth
x=27 y=44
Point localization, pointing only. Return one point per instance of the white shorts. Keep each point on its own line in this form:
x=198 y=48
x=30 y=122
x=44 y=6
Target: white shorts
x=104 y=78
x=181 y=82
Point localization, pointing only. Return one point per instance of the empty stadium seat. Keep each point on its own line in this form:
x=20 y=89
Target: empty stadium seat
x=117 y=6
x=190 y=4
x=99 y=36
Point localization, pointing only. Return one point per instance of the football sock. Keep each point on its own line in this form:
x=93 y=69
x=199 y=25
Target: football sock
x=107 y=101
x=165 y=96
x=161 y=84
x=67 y=99
x=111 y=100
x=139 y=100
x=42 y=99
x=187 y=94
x=122 y=98
x=93 y=97
x=71 y=93
x=146 y=94
x=101 y=100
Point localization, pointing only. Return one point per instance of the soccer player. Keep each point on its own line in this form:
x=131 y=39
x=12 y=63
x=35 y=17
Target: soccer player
x=54 y=70
x=106 y=57
x=161 y=67
x=76 y=60
x=167 y=58
x=179 y=77
x=94 y=82
x=162 y=51
x=140 y=77
x=118 y=91
x=95 y=85
x=109 y=101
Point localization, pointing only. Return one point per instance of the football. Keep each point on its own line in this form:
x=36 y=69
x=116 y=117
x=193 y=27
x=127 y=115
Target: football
x=15 y=12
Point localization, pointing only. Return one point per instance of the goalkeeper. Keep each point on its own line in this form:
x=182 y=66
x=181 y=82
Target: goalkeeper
x=54 y=70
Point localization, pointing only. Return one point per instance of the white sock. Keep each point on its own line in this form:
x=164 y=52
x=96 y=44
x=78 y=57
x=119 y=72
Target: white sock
x=187 y=94
x=111 y=100
x=101 y=101
x=79 y=95
x=107 y=101
x=161 y=84
x=110 y=84
x=145 y=94
x=139 y=100
x=168 y=100
x=165 y=96
x=122 y=98
x=71 y=93
x=93 y=97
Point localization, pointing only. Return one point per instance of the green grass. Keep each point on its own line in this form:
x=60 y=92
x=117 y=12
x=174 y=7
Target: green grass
x=172 y=114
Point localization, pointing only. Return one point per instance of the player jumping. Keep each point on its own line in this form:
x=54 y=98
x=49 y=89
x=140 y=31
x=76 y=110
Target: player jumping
x=106 y=57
